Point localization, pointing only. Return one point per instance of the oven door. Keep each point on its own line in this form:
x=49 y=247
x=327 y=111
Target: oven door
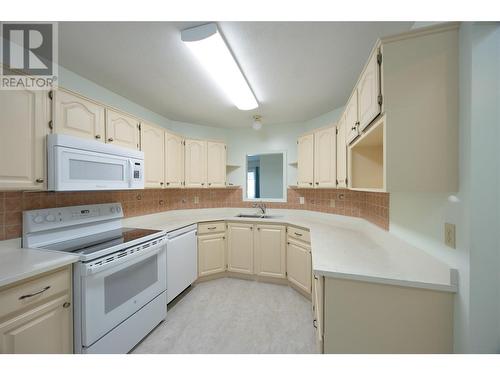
x=115 y=291
x=87 y=170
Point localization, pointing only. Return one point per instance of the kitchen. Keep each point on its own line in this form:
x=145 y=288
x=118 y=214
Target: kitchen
x=230 y=205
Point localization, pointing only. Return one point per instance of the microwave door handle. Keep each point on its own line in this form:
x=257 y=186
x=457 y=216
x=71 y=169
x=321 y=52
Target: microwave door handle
x=131 y=173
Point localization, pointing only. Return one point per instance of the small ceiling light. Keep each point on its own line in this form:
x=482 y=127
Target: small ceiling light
x=211 y=50
x=257 y=122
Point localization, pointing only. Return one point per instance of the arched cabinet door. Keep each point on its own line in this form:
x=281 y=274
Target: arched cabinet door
x=122 y=130
x=196 y=163
x=76 y=116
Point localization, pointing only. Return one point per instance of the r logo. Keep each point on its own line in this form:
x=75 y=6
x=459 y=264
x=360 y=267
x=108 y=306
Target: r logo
x=28 y=47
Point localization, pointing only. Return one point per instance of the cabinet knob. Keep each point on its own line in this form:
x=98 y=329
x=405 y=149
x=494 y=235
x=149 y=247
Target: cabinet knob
x=209 y=184
x=39 y=180
x=310 y=183
x=202 y=184
x=353 y=128
x=66 y=305
x=110 y=139
x=317 y=183
x=97 y=136
x=168 y=183
x=315 y=325
x=161 y=183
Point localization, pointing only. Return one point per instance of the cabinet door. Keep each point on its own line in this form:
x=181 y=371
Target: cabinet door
x=76 y=116
x=152 y=143
x=23 y=127
x=216 y=164
x=341 y=153
x=46 y=328
x=211 y=254
x=368 y=92
x=270 y=250
x=174 y=160
x=196 y=163
x=122 y=130
x=318 y=302
x=305 y=161
x=351 y=118
x=325 y=164
x=298 y=265
x=240 y=248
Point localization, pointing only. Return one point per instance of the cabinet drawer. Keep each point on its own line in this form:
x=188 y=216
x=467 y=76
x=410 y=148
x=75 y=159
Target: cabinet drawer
x=299 y=234
x=213 y=227
x=31 y=292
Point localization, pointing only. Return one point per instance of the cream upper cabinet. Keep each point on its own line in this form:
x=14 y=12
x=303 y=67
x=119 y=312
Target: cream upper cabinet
x=76 y=116
x=240 y=240
x=341 y=153
x=351 y=118
x=270 y=250
x=325 y=165
x=196 y=163
x=211 y=254
x=216 y=164
x=152 y=144
x=305 y=161
x=121 y=129
x=174 y=160
x=23 y=127
x=368 y=92
x=45 y=329
x=298 y=264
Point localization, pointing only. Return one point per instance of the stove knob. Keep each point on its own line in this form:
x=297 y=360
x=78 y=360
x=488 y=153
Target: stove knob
x=50 y=218
x=118 y=209
x=38 y=219
x=112 y=209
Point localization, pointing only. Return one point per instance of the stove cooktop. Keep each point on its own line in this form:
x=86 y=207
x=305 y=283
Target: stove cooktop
x=101 y=241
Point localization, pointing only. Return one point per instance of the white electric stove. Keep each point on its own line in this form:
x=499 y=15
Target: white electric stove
x=119 y=282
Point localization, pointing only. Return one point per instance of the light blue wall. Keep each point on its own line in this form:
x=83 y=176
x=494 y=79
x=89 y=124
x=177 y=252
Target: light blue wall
x=271 y=176
x=420 y=218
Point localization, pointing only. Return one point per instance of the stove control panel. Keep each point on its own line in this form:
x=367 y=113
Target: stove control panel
x=53 y=218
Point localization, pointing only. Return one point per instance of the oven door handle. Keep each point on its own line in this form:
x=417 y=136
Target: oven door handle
x=146 y=253
x=131 y=174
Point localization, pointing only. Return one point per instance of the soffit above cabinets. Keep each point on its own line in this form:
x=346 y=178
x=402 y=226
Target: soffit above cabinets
x=297 y=70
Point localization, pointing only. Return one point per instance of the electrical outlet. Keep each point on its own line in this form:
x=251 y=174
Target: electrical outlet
x=449 y=235
x=332 y=203
x=301 y=200
x=196 y=199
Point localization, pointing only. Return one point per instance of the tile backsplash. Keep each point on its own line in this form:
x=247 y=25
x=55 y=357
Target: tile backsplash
x=373 y=207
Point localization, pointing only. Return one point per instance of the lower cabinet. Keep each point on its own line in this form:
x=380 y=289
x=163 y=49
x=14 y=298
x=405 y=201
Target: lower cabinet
x=240 y=240
x=318 y=303
x=270 y=250
x=298 y=264
x=36 y=316
x=211 y=253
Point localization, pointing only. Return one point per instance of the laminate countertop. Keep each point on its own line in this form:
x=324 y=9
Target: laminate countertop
x=342 y=247
x=17 y=263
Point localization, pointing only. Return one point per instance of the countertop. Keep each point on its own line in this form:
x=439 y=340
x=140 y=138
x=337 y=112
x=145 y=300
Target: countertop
x=342 y=247
x=17 y=263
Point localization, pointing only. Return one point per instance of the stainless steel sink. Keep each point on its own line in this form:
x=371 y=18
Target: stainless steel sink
x=251 y=215
x=258 y=216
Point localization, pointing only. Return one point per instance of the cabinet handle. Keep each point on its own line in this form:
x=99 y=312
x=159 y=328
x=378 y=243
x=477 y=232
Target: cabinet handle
x=315 y=325
x=34 y=294
x=161 y=183
x=310 y=183
x=315 y=277
x=202 y=184
x=168 y=183
x=209 y=184
x=211 y=228
x=66 y=305
x=298 y=234
x=353 y=128
x=39 y=180
x=97 y=136
x=110 y=139
x=317 y=183
x=357 y=123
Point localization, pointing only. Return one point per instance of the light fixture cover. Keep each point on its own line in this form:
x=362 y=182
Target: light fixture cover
x=257 y=122
x=210 y=49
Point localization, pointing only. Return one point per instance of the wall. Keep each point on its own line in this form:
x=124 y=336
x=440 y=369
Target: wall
x=420 y=218
x=370 y=206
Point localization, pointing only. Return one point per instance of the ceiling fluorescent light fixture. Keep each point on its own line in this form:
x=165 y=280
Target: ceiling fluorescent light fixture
x=211 y=50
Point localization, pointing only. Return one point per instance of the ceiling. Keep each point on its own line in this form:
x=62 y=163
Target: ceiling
x=297 y=70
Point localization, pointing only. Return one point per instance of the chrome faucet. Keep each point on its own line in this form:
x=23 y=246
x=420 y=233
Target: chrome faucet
x=261 y=206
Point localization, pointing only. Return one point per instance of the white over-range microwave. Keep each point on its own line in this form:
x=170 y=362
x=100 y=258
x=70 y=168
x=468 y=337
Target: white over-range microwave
x=75 y=164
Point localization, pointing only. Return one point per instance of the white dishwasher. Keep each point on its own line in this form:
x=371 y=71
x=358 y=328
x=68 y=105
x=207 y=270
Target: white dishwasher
x=182 y=260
